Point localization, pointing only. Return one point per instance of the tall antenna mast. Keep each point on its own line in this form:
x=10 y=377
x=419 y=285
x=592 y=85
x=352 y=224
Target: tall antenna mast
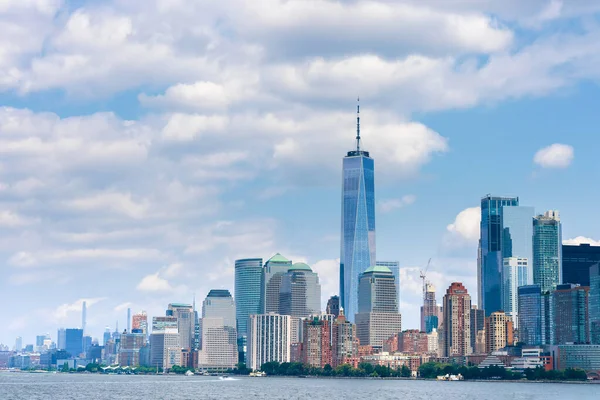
x=358 y=125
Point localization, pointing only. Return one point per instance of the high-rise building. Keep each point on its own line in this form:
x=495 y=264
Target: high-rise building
x=316 y=348
x=576 y=262
x=248 y=294
x=344 y=341
x=273 y=271
x=358 y=223
x=128 y=319
x=130 y=346
x=220 y=304
x=457 y=321
x=570 y=314
x=547 y=251
x=165 y=348
x=413 y=341
x=433 y=342
x=61 y=339
x=517 y=235
x=185 y=323
x=490 y=252
x=530 y=315
x=333 y=306
x=269 y=339
x=429 y=310
x=498 y=331
x=87 y=343
x=163 y=323
x=18 y=344
x=83 y=316
x=105 y=337
x=394 y=266
x=140 y=321
x=300 y=292
x=594 y=304
x=219 y=337
x=514 y=275
x=74 y=341
x=477 y=322
x=378 y=317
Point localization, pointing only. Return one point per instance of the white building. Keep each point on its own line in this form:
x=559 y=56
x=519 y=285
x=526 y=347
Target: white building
x=433 y=342
x=514 y=274
x=165 y=349
x=219 y=345
x=269 y=339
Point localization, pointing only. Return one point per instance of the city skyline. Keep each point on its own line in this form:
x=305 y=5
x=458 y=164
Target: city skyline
x=138 y=177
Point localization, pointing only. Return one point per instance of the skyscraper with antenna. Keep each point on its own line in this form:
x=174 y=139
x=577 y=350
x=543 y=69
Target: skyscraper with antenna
x=83 y=316
x=357 y=251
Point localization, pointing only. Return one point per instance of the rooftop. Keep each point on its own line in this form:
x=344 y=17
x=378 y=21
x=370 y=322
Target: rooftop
x=379 y=269
x=300 y=266
x=219 y=293
x=278 y=258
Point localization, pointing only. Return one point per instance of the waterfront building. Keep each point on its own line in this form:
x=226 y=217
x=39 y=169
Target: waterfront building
x=269 y=339
x=394 y=266
x=344 y=342
x=477 y=324
x=413 y=341
x=570 y=314
x=576 y=262
x=185 y=322
x=248 y=294
x=430 y=311
x=594 y=304
x=498 y=331
x=357 y=252
x=333 y=306
x=433 y=342
x=165 y=348
x=129 y=349
x=219 y=336
x=530 y=315
x=394 y=361
x=515 y=275
x=316 y=347
x=61 y=339
x=219 y=303
x=300 y=292
x=140 y=321
x=547 y=251
x=74 y=341
x=377 y=318
x=490 y=252
x=273 y=271
x=583 y=356
x=457 y=321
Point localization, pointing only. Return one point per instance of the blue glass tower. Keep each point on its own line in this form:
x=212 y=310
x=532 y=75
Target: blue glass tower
x=491 y=259
x=248 y=292
x=547 y=251
x=358 y=223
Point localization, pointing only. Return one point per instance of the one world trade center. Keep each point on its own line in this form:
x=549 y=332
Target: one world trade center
x=358 y=222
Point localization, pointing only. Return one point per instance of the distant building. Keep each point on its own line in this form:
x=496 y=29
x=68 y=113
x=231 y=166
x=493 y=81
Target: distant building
x=498 y=331
x=413 y=341
x=586 y=357
x=18 y=344
x=344 y=342
x=74 y=341
x=269 y=339
x=61 y=339
x=477 y=324
x=273 y=271
x=594 y=304
x=433 y=342
x=530 y=315
x=577 y=260
x=129 y=350
x=185 y=322
x=457 y=321
x=430 y=312
x=316 y=347
x=248 y=294
x=140 y=321
x=165 y=349
x=570 y=314
x=164 y=323
x=394 y=266
x=219 y=337
x=105 y=337
x=515 y=275
x=547 y=251
x=300 y=292
x=333 y=306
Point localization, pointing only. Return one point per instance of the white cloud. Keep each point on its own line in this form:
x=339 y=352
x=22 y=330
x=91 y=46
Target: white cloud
x=389 y=205
x=22 y=259
x=121 y=203
x=466 y=226
x=580 y=240
x=329 y=278
x=10 y=219
x=554 y=156
x=62 y=312
x=154 y=283
x=123 y=306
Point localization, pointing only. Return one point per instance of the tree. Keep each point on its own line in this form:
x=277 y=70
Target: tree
x=405 y=372
x=65 y=367
x=429 y=370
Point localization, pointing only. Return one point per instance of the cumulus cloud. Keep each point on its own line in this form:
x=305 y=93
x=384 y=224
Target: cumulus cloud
x=388 y=205
x=554 y=156
x=466 y=225
x=581 y=240
x=62 y=312
x=154 y=283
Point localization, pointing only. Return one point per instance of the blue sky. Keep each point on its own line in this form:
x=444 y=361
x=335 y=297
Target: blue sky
x=144 y=146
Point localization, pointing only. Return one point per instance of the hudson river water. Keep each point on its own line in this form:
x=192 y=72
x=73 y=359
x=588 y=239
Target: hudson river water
x=100 y=387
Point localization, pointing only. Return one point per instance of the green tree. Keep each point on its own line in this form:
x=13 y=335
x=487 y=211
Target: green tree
x=405 y=372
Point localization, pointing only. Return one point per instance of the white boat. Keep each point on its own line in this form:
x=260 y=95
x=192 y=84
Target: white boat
x=258 y=374
x=189 y=373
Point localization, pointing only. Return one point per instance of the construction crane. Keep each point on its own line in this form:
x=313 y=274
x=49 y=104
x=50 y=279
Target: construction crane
x=423 y=276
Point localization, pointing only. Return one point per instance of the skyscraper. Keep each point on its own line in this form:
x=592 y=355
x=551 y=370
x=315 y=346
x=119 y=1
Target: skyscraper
x=477 y=319
x=394 y=266
x=83 y=316
x=269 y=339
x=547 y=251
x=274 y=269
x=140 y=321
x=61 y=339
x=185 y=323
x=378 y=317
x=498 y=331
x=248 y=292
x=530 y=315
x=165 y=345
x=576 y=263
x=514 y=275
x=429 y=310
x=517 y=235
x=490 y=251
x=358 y=222
x=74 y=341
x=457 y=321
x=333 y=306
x=300 y=292
x=18 y=344
x=594 y=304
x=570 y=314
x=219 y=337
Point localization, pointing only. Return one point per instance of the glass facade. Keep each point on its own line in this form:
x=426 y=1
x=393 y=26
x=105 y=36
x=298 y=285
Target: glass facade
x=273 y=272
x=570 y=314
x=300 y=293
x=248 y=289
x=514 y=275
x=394 y=266
x=594 y=303
x=358 y=226
x=517 y=235
x=576 y=263
x=490 y=262
x=530 y=315
x=547 y=251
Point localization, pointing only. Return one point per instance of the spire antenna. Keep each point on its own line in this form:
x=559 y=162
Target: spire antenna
x=358 y=124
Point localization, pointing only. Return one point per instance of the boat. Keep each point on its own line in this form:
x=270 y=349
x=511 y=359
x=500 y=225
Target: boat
x=189 y=373
x=258 y=374
x=449 y=377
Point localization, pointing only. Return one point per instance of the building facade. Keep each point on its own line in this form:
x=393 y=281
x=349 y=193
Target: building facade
x=333 y=306
x=269 y=339
x=74 y=341
x=576 y=262
x=530 y=315
x=165 y=349
x=457 y=321
x=498 y=331
x=140 y=321
x=357 y=251
x=429 y=310
x=273 y=272
x=316 y=347
x=300 y=292
x=570 y=314
x=477 y=322
x=185 y=323
x=594 y=304
x=394 y=266
x=515 y=274
x=413 y=341
x=547 y=251
x=130 y=346
x=248 y=294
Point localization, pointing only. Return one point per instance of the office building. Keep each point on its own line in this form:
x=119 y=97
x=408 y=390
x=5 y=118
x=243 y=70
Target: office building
x=576 y=262
x=490 y=252
x=394 y=266
x=357 y=251
x=83 y=316
x=140 y=321
x=498 y=332
x=130 y=346
x=530 y=315
x=219 y=346
x=413 y=341
x=594 y=304
x=457 y=321
x=316 y=347
x=585 y=357
x=514 y=275
x=430 y=311
x=18 y=344
x=185 y=323
x=269 y=339
x=517 y=236
x=300 y=292
x=248 y=292
x=273 y=271
x=333 y=306
x=61 y=339
x=74 y=341
x=165 y=348
x=477 y=324
x=378 y=317
x=570 y=314
x=547 y=251
x=105 y=336
x=344 y=341
x=164 y=323
x=433 y=342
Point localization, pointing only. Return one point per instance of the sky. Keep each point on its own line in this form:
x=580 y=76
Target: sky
x=145 y=146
